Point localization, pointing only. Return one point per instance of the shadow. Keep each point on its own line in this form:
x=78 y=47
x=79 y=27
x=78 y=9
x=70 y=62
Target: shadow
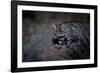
x=16 y=72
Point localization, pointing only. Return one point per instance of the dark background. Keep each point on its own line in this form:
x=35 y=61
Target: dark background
x=38 y=31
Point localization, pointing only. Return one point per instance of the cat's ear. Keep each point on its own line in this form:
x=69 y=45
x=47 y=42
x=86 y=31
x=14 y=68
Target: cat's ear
x=54 y=27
